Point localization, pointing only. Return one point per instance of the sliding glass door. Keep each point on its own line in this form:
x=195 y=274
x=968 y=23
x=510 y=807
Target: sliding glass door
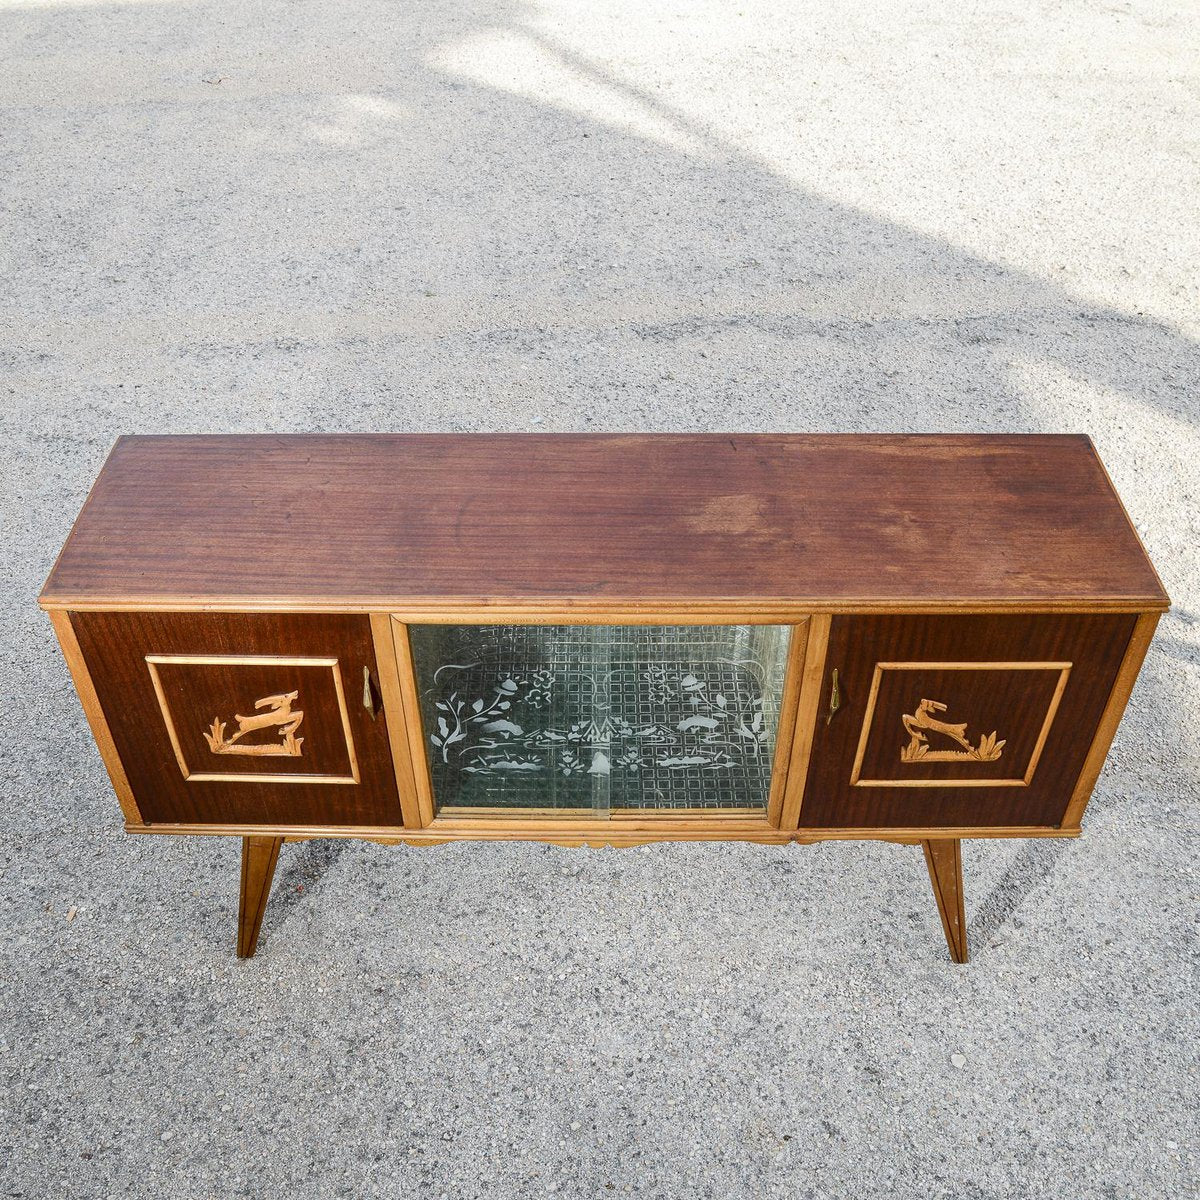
x=586 y=720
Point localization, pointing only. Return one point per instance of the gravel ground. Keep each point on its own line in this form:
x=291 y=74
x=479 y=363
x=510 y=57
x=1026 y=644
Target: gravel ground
x=511 y=215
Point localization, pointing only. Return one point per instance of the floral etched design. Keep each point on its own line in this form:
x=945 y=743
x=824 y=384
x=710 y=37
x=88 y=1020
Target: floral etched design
x=658 y=688
x=460 y=715
x=541 y=685
x=708 y=729
x=625 y=717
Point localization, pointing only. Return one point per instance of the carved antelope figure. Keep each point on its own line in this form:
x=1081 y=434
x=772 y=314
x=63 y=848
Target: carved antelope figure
x=923 y=719
x=280 y=713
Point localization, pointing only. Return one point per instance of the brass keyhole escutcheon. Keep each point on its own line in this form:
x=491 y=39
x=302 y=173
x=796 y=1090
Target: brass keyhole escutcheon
x=835 y=697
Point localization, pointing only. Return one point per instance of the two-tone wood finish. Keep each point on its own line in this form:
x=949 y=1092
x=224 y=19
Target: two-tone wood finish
x=163 y=678
x=982 y=602
x=943 y=857
x=259 y=856
x=1040 y=682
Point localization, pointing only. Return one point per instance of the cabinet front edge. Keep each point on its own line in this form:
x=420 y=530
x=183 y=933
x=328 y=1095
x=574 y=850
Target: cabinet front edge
x=440 y=834
x=589 y=611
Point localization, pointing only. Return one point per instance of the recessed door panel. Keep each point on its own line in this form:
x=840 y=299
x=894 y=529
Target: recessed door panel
x=958 y=721
x=233 y=718
x=912 y=734
x=244 y=718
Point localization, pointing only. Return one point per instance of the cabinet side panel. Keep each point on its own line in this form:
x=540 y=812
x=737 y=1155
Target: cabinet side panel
x=252 y=719
x=1139 y=643
x=93 y=710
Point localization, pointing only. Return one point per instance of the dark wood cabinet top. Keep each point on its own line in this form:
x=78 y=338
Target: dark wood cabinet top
x=716 y=522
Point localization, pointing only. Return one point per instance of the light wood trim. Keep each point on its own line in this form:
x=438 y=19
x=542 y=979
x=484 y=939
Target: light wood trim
x=576 y=834
x=253 y=660
x=491 y=831
x=415 y=728
x=811 y=683
x=584 y=610
x=573 y=818
x=1131 y=664
x=786 y=728
x=1063 y=668
x=921 y=834
x=168 y=720
x=589 y=612
x=92 y=710
x=396 y=718
x=494 y=815
x=705 y=824
x=868 y=716
x=1040 y=744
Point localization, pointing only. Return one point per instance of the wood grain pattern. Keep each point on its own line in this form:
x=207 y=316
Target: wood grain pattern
x=94 y=712
x=389 y=521
x=418 y=748
x=259 y=856
x=943 y=857
x=811 y=682
x=397 y=726
x=1093 y=644
x=1139 y=644
x=500 y=830
x=116 y=647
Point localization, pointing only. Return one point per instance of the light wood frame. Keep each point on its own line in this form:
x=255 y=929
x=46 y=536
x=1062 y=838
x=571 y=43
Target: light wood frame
x=468 y=821
x=557 y=833
x=1064 y=670
x=153 y=661
x=395 y=714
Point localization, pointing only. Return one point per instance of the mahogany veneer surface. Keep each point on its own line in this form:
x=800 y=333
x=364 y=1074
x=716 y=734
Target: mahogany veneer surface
x=1007 y=693
x=116 y=646
x=385 y=520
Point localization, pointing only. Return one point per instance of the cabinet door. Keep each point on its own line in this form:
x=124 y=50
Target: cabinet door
x=243 y=718
x=958 y=721
x=592 y=722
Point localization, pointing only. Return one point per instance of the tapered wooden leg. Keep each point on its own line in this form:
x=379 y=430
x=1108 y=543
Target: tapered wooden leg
x=259 y=856
x=943 y=857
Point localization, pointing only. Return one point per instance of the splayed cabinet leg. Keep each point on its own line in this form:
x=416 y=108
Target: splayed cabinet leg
x=943 y=857
x=259 y=856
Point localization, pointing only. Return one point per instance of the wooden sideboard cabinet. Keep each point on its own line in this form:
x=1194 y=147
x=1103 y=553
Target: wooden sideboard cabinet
x=604 y=639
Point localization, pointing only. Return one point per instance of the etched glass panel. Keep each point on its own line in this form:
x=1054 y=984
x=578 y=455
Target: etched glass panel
x=588 y=719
